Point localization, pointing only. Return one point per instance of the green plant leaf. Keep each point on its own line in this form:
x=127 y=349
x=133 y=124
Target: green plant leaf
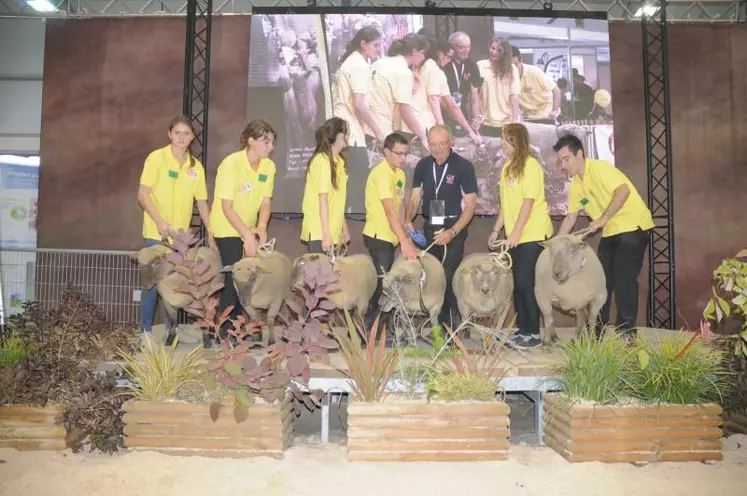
x=643 y=359
x=233 y=368
x=210 y=382
x=242 y=395
x=710 y=310
x=724 y=305
x=240 y=413
x=742 y=253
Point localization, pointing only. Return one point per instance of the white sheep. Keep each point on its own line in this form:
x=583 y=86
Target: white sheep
x=483 y=287
x=357 y=279
x=417 y=285
x=569 y=276
x=263 y=283
x=157 y=270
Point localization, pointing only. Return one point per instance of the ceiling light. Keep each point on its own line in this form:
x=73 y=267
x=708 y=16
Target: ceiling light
x=41 y=5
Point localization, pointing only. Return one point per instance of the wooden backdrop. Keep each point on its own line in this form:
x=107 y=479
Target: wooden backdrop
x=112 y=85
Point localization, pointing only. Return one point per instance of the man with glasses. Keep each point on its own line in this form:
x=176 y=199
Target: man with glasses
x=446 y=183
x=383 y=231
x=615 y=206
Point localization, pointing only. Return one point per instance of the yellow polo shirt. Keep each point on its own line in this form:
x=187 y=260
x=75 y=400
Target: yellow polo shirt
x=238 y=181
x=383 y=182
x=432 y=83
x=392 y=85
x=594 y=193
x=495 y=94
x=353 y=76
x=535 y=97
x=319 y=181
x=513 y=193
x=174 y=189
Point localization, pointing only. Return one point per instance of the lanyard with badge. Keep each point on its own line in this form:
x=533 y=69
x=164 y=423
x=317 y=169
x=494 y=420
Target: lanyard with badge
x=438 y=207
x=457 y=95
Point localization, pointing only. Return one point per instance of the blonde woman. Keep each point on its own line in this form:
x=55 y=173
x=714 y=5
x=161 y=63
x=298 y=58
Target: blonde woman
x=526 y=220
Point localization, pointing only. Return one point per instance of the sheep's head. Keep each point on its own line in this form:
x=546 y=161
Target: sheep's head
x=483 y=279
x=245 y=273
x=153 y=264
x=402 y=283
x=567 y=256
x=304 y=262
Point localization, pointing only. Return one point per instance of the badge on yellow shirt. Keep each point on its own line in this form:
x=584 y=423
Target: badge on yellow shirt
x=584 y=202
x=192 y=173
x=246 y=187
x=173 y=174
x=262 y=179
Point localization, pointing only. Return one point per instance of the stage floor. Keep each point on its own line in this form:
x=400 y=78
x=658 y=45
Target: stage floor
x=518 y=363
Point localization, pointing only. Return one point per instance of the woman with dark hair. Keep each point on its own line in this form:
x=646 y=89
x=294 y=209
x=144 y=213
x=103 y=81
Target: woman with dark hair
x=242 y=204
x=525 y=216
x=392 y=87
x=351 y=85
x=500 y=89
x=171 y=182
x=325 y=192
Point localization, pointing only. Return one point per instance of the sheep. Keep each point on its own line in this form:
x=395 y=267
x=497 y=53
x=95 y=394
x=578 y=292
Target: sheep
x=482 y=286
x=419 y=284
x=357 y=279
x=262 y=283
x=569 y=276
x=157 y=270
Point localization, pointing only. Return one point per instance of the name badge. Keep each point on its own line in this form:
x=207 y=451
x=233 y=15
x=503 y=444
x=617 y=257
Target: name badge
x=192 y=173
x=457 y=96
x=246 y=187
x=437 y=212
x=262 y=179
x=173 y=174
x=584 y=202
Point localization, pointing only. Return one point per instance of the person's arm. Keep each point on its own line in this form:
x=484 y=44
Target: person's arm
x=324 y=217
x=147 y=204
x=619 y=197
x=394 y=222
x=412 y=205
x=556 y=100
x=364 y=115
x=266 y=189
x=405 y=110
x=234 y=219
x=569 y=222
x=456 y=113
x=475 y=102
x=499 y=222
x=265 y=211
x=515 y=90
x=521 y=221
x=434 y=102
x=470 y=205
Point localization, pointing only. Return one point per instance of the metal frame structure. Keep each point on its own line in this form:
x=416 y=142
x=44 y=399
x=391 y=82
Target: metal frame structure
x=728 y=11
x=660 y=311
x=197 y=81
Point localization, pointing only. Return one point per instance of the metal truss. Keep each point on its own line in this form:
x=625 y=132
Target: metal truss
x=197 y=81
x=661 y=293
x=617 y=10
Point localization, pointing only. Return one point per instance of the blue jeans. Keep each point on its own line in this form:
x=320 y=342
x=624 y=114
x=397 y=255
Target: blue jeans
x=149 y=302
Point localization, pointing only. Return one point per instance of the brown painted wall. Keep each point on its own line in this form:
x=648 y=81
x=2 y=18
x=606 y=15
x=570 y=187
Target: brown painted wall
x=111 y=86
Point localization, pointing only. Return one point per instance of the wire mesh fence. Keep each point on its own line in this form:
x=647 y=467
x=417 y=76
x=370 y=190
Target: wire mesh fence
x=110 y=278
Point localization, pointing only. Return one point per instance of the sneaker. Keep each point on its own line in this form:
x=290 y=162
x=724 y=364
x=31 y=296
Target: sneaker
x=529 y=342
x=171 y=336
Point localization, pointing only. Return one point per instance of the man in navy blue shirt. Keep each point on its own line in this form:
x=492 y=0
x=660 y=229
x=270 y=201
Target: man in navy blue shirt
x=446 y=183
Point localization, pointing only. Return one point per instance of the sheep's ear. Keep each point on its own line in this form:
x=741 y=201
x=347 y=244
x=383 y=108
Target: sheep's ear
x=467 y=272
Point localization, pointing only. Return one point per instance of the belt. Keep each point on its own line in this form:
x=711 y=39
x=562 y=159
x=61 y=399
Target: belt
x=445 y=217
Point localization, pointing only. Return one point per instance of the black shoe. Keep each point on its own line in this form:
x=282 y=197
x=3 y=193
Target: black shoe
x=525 y=342
x=170 y=338
x=207 y=340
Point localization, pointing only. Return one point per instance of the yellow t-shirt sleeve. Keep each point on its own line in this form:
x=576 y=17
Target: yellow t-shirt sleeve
x=149 y=176
x=531 y=183
x=610 y=176
x=545 y=81
x=402 y=87
x=322 y=173
x=201 y=189
x=267 y=187
x=515 y=88
x=574 y=197
x=359 y=80
x=433 y=82
x=225 y=183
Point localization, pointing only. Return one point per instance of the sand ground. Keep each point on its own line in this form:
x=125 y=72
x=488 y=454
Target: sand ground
x=321 y=470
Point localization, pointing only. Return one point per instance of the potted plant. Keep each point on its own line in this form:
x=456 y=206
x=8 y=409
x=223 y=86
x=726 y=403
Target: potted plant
x=458 y=418
x=641 y=403
x=51 y=396
x=258 y=387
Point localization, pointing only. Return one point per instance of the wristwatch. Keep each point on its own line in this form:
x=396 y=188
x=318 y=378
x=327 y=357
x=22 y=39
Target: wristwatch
x=454 y=232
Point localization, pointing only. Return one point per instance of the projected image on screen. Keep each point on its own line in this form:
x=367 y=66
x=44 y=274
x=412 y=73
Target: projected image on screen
x=552 y=75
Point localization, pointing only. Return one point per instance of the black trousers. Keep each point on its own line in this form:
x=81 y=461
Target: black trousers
x=231 y=250
x=382 y=255
x=454 y=254
x=314 y=246
x=524 y=257
x=621 y=256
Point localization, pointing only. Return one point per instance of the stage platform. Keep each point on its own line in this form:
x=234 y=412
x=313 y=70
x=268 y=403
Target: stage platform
x=529 y=372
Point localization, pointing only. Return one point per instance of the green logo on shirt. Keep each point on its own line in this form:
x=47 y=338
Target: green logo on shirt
x=173 y=174
x=584 y=202
x=263 y=178
x=400 y=183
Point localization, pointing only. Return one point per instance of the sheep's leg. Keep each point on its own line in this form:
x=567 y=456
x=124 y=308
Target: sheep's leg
x=594 y=308
x=268 y=330
x=254 y=316
x=171 y=328
x=580 y=322
x=548 y=331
